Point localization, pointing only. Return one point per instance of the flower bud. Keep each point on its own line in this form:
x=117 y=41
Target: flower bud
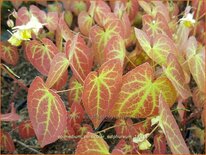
x=10 y=23
x=14 y=13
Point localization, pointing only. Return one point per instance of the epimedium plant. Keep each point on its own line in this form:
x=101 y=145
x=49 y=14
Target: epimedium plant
x=125 y=60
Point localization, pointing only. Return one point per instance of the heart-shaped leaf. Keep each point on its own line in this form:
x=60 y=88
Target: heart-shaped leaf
x=171 y=129
x=75 y=93
x=175 y=74
x=40 y=54
x=80 y=57
x=101 y=90
x=26 y=130
x=85 y=22
x=153 y=26
x=51 y=21
x=6 y=142
x=47 y=112
x=157 y=48
x=115 y=49
x=9 y=53
x=139 y=93
x=92 y=144
x=59 y=65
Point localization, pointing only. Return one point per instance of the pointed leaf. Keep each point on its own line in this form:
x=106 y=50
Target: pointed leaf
x=158 y=51
x=75 y=114
x=92 y=144
x=9 y=53
x=85 y=22
x=101 y=37
x=46 y=111
x=75 y=94
x=197 y=68
x=12 y=116
x=59 y=65
x=123 y=127
x=115 y=49
x=139 y=93
x=199 y=98
x=80 y=57
x=40 y=54
x=61 y=82
x=65 y=31
x=6 y=142
x=175 y=74
x=171 y=129
x=26 y=130
x=100 y=91
x=158 y=25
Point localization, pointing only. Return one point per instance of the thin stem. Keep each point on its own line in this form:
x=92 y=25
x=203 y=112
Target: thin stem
x=62 y=91
x=196 y=18
x=27 y=146
x=14 y=78
x=82 y=81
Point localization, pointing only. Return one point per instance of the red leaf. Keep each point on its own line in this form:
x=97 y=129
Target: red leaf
x=75 y=93
x=75 y=114
x=26 y=130
x=123 y=127
x=78 y=6
x=139 y=93
x=160 y=144
x=9 y=53
x=92 y=144
x=171 y=129
x=101 y=90
x=85 y=22
x=23 y=16
x=7 y=142
x=115 y=49
x=199 y=98
x=40 y=54
x=82 y=130
x=69 y=132
x=124 y=147
x=51 y=21
x=80 y=57
x=59 y=65
x=12 y=116
x=61 y=82
x=65 y=31
x=175 y=74
x=46 y=111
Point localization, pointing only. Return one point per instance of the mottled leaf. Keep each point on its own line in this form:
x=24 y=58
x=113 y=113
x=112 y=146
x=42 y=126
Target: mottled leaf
x=46 y=111
x=100 y=90
x=92 y=144
x=40 y=54
x=171 y=130
x=59 y=65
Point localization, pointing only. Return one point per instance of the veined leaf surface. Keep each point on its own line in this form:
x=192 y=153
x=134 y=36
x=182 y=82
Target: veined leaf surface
x=171 y=129
x=6 y=142
x=175 y=73
x=9 y=53
x=46 y=111
x=26 y=130
x=158 y=51
x=59 y=65
x=12 y=116
x=79 y=56
x=159 y=143
x=101 y=89
x=100 y=37
x=139 y=93
x=61 y=82
x=115 y=49
x=40 y=54
x=51 y=21
x=92 y=144
x=75 y=94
